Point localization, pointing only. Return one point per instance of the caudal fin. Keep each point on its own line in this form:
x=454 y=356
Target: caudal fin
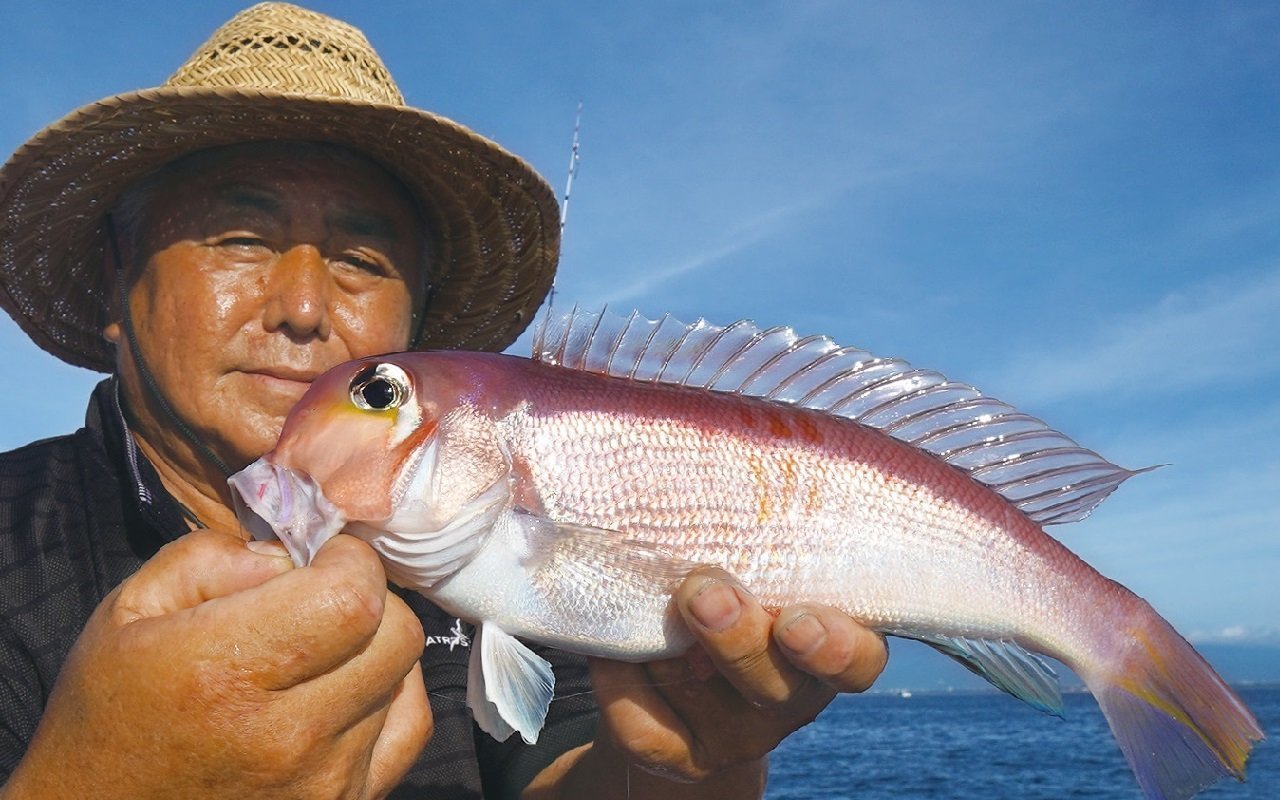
x=1180 y=726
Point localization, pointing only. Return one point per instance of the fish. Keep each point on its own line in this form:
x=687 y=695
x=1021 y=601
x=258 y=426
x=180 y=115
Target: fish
x=559 y=499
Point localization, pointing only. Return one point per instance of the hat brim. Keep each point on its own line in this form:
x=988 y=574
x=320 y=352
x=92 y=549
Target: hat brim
x=494 y=220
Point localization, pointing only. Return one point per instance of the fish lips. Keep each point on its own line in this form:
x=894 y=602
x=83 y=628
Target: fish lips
x=275 y=502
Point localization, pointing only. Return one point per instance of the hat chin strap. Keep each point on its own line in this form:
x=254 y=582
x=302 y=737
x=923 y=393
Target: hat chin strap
x=140 y=363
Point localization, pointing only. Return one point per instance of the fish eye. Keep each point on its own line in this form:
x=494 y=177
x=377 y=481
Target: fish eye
x=379 y=387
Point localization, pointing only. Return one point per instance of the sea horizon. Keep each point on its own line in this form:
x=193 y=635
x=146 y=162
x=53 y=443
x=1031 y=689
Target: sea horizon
x=916 y=667
x=978 y=743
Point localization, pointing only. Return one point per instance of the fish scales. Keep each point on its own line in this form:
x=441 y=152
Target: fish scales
x=798 y=505
x=564 y=503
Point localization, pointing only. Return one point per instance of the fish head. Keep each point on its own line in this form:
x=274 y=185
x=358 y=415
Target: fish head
x=351 y=433
x=361 y=446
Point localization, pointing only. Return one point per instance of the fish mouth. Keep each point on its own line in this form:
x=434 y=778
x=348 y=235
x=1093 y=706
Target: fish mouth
x=275 y=502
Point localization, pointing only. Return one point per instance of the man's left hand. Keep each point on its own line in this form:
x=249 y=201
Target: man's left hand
x=751 y=679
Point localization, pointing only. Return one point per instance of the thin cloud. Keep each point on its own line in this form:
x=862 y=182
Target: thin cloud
x=1191 y=339
x=739 y=238
x=1236 y=634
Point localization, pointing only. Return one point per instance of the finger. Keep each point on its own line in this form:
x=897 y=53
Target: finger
x=325 y=614
x=198 y=567
x=736 y=632
x=636 y=713
x=405 y=732
x=301 y=624
x=672 y=723
x=826 y=643
x=364 y=683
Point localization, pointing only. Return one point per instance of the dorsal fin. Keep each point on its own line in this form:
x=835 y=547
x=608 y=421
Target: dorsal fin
x=1042 y=472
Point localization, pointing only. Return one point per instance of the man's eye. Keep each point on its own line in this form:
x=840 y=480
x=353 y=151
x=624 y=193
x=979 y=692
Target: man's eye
x=363 y=263
x=243 y=243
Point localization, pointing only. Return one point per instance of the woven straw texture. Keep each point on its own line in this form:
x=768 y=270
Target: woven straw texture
x=274 y=72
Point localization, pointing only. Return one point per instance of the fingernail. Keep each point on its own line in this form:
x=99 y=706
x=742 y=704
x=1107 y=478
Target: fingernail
x=268 y=548
x=716 y=606
x=804 y=634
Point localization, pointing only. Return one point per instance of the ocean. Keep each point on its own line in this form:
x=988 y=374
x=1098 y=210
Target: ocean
x=983 y=745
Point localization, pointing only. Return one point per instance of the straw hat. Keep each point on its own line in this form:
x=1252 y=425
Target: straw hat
x=273 y=72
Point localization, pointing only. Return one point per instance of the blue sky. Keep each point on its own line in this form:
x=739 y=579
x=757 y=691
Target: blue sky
x=1074 y=206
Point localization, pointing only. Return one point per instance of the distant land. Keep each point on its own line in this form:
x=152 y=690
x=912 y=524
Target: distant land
x=918 y=668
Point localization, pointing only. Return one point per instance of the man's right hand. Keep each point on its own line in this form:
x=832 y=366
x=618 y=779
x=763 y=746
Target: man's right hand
x=216 y=671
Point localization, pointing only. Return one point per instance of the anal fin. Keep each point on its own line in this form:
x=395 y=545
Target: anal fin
x=1005 y=664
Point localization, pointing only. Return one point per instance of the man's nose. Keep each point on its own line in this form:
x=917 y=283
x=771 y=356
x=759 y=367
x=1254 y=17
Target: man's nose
x=299 y=293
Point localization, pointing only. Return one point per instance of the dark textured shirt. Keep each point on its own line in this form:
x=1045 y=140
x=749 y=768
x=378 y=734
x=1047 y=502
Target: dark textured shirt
x=80 y=513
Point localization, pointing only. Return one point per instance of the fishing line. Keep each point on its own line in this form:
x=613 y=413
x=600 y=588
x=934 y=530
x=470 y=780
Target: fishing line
x=558 y=698
x=637 y=685
x=126 y=318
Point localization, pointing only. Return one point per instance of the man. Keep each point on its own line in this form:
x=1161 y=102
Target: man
x=215 y=244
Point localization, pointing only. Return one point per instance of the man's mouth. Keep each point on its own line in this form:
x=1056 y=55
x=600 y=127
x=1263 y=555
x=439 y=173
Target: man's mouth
x=289 y=380
x=286 y=373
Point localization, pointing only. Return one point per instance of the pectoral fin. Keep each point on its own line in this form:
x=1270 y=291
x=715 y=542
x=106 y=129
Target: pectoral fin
x=565 y=548
x=509 y=687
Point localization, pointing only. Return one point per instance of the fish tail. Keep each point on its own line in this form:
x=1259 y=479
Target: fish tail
x=1179 y=725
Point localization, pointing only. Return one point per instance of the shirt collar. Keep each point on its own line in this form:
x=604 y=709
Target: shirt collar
x=140 y=483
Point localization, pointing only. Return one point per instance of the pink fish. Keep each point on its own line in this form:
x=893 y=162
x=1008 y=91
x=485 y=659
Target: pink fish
x=560 y=499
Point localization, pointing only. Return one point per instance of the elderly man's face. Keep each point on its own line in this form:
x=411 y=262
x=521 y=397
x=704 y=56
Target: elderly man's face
x=262 y=266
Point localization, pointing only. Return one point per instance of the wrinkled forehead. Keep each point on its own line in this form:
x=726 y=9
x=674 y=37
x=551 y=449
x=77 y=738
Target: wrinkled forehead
x=273 y=168
x=276 y=179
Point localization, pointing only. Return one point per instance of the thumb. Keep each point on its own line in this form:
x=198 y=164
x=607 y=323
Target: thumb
x=406 y=730
x=198 y=567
